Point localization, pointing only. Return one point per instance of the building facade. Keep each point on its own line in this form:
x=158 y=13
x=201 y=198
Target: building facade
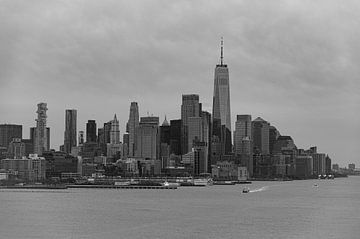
x=132 y=125
x=70 y=135
x=147 y=142
x=41 y=142
x=190 y=107
x=8 y=132
x=260 y=136
x=221 y=105
x=91 y=131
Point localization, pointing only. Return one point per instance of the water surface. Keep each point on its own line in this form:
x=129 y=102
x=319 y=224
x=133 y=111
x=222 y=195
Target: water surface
x=295 y=209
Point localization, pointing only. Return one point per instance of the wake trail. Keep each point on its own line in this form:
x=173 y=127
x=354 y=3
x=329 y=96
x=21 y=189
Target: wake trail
x=259 y=189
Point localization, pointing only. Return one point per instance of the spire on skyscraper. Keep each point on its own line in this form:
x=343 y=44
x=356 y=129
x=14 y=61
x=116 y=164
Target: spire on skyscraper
x=222 y=49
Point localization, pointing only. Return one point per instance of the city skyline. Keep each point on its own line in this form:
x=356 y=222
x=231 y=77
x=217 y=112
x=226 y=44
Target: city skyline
x=304 y=82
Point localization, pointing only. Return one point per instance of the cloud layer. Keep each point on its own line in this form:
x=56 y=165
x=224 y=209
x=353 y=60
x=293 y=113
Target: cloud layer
x=294 y=63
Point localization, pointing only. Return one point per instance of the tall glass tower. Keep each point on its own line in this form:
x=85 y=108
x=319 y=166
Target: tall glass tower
x=132 y=125
x=41 y=136
x=221 y=105
x=70 y=130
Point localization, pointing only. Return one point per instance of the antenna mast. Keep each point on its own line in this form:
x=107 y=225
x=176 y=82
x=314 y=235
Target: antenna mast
x=221 y=56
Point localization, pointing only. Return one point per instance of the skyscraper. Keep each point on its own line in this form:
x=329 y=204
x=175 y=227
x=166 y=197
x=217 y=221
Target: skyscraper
x=132 y=124
x=41 y=133
x=91 y=131
x=115 y=132
x=147 y=142
x=70 y=130
x=243 y=141
x=221 y=105
x=175 y=137
x=195 y=131
x=190 y=108
x=260 y=136
x=242 y=130
x=114 y=148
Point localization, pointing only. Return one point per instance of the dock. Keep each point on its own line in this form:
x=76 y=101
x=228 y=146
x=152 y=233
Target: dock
x=122 y=186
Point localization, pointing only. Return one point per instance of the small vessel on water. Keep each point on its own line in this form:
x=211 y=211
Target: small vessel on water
x=246 y=190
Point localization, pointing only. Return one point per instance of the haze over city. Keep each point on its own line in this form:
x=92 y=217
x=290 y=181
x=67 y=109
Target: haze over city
x=293 y=63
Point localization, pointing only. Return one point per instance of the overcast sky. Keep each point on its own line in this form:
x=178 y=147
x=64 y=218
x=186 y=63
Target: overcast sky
x=293 y=63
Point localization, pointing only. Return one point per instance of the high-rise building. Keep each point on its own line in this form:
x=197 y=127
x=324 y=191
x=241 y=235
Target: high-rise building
x=41 y=142
x=164 y=143
x=273 y=136
x=125 y=150
x=70 y=130
x=190 y=108
x=132 y=125
x=8 y=132
x=175 y=137
x=114 y=148
x=115 y=132
x=195 y=132
x=221 y=105
x=242 y=130
x=260 y=136
x=91 y=131
x=243 y=141
x=147 y=134
x=81 y=137
x=319 y=163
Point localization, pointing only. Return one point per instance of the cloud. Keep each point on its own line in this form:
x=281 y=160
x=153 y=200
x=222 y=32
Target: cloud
x=286 y=58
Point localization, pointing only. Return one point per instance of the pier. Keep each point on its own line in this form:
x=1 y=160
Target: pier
x=123 y=186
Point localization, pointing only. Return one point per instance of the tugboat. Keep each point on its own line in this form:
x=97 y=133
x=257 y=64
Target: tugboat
x=246 y=190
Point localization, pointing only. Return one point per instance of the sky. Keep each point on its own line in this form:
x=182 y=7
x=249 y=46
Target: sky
x=294 y=63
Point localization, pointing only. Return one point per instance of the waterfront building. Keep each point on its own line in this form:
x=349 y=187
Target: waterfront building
x=328 y=165
x=319 y=163
x=335 y=167
x=91 y=131
x=70 y=130
x=30 y=168
x=200 y=161
x=42 y=133
x=147 y=143
x=132 y=125
x=228 y=170
x=190 y=107
x=221 y=105
x=303 y=166
x=8 y=132
x=60 y=163
x=260 y=136
x=351 y=166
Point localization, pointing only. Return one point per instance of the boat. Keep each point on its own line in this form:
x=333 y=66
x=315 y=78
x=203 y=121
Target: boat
x=246 y=190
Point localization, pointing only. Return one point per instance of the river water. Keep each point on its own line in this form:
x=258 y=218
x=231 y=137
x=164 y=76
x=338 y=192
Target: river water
x=295 y=209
